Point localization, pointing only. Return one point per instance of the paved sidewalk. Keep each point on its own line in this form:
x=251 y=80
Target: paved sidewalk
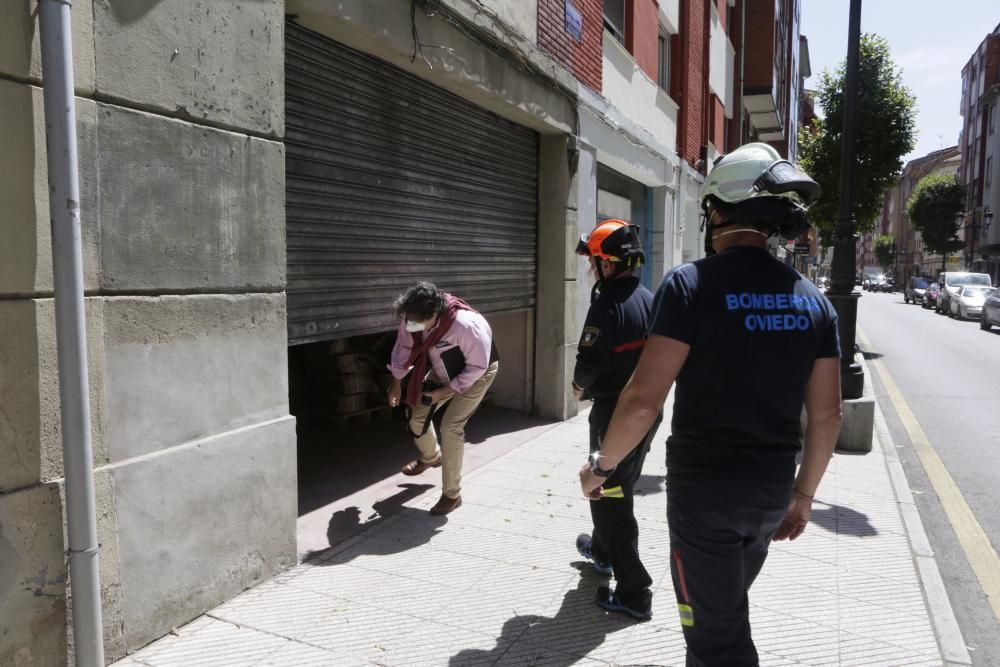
x=499 y=582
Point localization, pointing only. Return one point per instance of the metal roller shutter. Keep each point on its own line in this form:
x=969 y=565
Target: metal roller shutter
x=391 y=180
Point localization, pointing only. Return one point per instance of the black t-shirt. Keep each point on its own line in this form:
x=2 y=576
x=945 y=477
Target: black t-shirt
x=755 y=327
x=612 y=340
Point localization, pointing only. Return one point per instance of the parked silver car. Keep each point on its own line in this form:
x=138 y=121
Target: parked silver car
x=991 y=311
x=915 y=288
x=968 y=300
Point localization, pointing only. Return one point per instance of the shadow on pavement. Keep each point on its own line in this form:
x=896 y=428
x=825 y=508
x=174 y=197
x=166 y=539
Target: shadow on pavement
x=335 y=464
x=578 y=628
x=842 y=520
x=648 y=485
x=348 y=522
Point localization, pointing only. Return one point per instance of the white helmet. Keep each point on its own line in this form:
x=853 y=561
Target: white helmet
x=756 y=170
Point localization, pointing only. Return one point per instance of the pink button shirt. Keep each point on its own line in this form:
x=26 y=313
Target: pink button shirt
x=470 y=332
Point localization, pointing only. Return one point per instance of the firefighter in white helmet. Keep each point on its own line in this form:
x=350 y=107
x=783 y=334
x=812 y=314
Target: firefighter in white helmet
x=749 y=341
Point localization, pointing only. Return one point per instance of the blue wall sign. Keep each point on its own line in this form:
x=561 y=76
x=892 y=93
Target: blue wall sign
x=574 y=21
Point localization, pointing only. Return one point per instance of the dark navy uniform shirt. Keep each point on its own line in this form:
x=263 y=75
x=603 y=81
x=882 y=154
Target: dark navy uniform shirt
x=755 y=327
x=612 y=341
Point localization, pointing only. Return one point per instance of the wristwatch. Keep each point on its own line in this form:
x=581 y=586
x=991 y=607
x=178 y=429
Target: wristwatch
x=595 y=467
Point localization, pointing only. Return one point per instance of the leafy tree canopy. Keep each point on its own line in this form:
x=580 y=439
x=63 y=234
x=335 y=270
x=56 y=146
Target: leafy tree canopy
x=885 y=133
x=885 y=250
x=933 y=207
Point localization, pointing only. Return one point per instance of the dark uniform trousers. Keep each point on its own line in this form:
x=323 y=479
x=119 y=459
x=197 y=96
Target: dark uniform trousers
x=616 y=532
x=720 y=530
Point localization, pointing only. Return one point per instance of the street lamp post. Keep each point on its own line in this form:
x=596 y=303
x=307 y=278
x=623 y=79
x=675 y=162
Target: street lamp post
x=975 y=226
x=842 y=293
x=959 y=221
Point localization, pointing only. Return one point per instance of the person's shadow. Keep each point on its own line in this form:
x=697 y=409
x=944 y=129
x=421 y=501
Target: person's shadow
x=578 y=628
x=346 y=523
x=648 y=485
x=842 y=520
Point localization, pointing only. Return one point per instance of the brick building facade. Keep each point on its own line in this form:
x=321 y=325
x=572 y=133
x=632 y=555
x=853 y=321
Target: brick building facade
x=980 y=156
x=581 y=57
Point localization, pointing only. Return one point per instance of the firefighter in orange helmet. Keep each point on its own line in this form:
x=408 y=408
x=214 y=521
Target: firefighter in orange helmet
x=609 y=349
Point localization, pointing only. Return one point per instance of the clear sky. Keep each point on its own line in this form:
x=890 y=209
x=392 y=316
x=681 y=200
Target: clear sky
x=930 y=40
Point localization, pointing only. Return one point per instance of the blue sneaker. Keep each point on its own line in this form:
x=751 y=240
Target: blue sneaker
x=606 y=600
x=583 y=546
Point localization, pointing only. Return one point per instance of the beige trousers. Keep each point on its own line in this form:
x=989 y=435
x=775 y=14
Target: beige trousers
x=457 y=410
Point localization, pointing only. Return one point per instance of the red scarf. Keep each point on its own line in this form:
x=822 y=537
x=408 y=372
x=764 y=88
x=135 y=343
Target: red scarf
x=423 y=344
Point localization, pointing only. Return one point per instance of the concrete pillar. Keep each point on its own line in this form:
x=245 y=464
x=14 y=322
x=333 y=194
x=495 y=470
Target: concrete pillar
x=182 y=214
x=584 y=197
x=662 y=255
x=567 y=207
x=694 y=237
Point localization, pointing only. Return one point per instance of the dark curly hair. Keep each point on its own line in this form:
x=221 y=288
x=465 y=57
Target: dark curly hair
x=420 y=302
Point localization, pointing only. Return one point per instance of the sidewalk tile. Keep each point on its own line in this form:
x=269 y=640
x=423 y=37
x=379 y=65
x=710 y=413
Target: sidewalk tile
x=378 y=589
x=211 y=644
x=499 y=582
x=483 y=541
x=653 y=645
x=280 y=609
x=521 y=582
x=865 y=652
x=882 y=624
x=504 y=618
x=436 y=646
x=364 y=632
x=304 y=655
x=530 y=655
x=460 y=570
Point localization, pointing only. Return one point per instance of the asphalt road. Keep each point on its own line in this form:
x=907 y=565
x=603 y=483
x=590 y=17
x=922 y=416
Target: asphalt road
x=948 y=371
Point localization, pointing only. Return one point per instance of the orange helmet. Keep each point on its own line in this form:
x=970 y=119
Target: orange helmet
x=614 y=241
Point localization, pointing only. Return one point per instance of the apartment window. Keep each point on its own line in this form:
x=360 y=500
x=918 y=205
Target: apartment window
x=993 y=118
x=989 y=170
x=614 y=18
x=972 y=87
x=663 y=60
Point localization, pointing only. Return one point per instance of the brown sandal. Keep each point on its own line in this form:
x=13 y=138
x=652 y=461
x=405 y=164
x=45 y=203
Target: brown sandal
x=416 y=467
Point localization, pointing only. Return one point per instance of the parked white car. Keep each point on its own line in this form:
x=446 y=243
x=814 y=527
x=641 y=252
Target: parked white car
x=950 y=282
x=968 y=301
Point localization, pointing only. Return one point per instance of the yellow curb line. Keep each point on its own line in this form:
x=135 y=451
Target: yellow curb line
x=977 y=547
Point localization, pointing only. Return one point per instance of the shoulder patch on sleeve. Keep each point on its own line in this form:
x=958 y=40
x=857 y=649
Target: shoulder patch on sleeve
x=590 y=336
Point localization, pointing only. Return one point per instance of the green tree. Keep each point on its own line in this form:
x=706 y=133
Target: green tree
x=885 y=133
x=933 y=207
x=885 y=250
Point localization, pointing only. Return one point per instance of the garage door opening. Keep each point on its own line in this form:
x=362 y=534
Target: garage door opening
x=390 y=180
x=351 y=444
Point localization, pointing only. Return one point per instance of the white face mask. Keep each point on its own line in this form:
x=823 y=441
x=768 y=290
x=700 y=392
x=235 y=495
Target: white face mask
x=415 y=327
x=741 y=229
